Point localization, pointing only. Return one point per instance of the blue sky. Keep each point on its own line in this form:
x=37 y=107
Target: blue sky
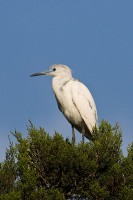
x=94 y=38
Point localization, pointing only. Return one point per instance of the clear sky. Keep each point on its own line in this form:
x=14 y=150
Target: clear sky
x=94 y=38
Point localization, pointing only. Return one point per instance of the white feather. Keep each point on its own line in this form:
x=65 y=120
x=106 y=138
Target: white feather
x=73 y=98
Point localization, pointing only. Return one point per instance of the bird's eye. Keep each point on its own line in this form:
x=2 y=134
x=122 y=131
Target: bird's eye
x=54 y=69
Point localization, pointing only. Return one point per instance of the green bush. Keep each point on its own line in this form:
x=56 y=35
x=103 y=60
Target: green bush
x=45 y=167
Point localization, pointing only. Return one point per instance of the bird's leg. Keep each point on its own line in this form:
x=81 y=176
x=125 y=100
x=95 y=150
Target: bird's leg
x=83 y=138
x=73 y=135
x=83 y=135
x=83 y=132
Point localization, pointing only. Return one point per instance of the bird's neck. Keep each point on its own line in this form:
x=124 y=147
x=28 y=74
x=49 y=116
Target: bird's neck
x=59 y=82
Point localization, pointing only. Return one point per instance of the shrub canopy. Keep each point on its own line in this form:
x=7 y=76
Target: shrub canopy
x=45 y=167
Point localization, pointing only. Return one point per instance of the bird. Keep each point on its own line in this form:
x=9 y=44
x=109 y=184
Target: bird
x=74 y=100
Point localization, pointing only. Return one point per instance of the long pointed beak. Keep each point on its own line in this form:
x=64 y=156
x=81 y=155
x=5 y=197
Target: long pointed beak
x=40 y=74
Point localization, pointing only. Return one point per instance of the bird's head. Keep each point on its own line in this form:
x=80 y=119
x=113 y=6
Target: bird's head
x=57 y=70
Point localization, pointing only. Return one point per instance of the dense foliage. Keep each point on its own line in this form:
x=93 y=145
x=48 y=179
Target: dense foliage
x=42 y=167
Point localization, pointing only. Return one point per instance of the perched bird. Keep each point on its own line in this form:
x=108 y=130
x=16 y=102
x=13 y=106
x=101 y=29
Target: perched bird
x=74 y=100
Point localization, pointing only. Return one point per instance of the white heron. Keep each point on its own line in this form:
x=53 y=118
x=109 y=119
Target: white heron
x=74 y=100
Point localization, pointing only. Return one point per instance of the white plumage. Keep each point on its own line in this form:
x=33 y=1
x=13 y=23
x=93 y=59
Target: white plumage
x=74 y=100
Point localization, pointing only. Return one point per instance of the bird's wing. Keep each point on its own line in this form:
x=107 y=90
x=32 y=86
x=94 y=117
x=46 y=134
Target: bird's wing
x=85 y=104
